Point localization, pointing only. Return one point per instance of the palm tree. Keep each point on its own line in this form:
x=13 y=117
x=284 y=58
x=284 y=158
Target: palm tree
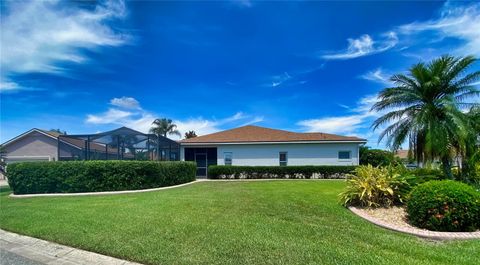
x=162 y=127
x=190 y=134
x=425 y=107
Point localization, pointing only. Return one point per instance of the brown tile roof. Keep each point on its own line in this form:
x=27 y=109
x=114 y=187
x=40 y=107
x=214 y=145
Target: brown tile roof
x=252 y=133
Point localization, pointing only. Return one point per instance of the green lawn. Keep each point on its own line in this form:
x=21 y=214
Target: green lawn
x=265 y=222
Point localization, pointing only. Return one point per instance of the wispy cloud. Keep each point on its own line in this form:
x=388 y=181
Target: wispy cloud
x=243 y=3
x=7 y=85
x=280 y=79
x=363 y=46
x=377 y=75
x=344 y=124
x=141 y=119
x=40 y=36
x=459 y=22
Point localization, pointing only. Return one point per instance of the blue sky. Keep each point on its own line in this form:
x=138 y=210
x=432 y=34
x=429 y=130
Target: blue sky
x=303 y=66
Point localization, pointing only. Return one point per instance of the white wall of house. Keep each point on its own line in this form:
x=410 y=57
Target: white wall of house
x=32 y=147
x=298 y=154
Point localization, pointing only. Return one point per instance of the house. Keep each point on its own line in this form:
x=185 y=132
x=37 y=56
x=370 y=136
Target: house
x=33 y=145
x=118 y=144
x=245 y=146
x=259 y=146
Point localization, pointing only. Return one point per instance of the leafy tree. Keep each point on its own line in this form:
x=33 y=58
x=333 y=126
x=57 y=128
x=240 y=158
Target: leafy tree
x=164 y=127
x=190 y=134
x=425 y=108
x=376 y=157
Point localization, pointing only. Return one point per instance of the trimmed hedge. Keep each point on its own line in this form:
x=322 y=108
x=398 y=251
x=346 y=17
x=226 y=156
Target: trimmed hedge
x=444 y=206
x=279 y=172
x=94 y=176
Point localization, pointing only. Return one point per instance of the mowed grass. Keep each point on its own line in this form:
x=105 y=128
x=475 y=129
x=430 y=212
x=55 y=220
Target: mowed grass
x=263 y=222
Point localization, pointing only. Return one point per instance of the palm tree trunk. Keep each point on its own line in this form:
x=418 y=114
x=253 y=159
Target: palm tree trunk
x=447 y=168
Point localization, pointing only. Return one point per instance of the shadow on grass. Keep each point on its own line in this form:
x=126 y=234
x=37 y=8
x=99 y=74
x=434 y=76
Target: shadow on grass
x=5 y=190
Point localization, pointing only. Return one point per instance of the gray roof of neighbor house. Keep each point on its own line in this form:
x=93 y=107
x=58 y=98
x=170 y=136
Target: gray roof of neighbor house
x=256 y=134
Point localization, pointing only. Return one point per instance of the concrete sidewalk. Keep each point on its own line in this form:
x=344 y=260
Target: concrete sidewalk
x=37 y=251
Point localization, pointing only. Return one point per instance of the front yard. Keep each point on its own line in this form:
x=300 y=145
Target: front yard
x=263 y=222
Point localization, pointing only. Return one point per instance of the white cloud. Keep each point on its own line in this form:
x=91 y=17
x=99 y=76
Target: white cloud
x=141 y=120
x=344 y=124
x=363 y=46
x=339 y=124
x=111 y=116
x=7 y=85
x=125 y=102
x=460 y=22
x=37 y=36
x=377 y=75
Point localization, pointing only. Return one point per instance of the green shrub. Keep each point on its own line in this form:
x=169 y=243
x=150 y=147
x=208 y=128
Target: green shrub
x=269 y=172
x=377 y=157
x=90 y=176
x=427 y=174
x=376 y=186
x=444 y=206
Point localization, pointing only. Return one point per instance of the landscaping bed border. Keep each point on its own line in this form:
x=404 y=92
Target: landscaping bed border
x=98 y=193
x=417 y=231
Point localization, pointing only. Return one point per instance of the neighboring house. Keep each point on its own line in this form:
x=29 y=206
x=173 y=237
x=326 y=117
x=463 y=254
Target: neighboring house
x=259 y=146
x=118 y=144
x=33 y=145
x=42 y=145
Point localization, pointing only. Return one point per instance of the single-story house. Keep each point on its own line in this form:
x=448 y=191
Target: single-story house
x=246 y=146
x=258 y=146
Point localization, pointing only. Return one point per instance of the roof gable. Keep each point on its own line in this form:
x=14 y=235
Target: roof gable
x=252 y=134
x=27 y=133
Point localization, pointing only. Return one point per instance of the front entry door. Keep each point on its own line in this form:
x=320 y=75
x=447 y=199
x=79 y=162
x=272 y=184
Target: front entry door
x=201 y=160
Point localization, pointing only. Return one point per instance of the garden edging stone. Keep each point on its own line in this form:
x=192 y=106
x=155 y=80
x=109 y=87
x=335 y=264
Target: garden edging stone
x=416 y=231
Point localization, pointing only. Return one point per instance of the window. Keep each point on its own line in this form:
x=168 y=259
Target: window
x=228 y=158
x=344 y=154
x=283 y=158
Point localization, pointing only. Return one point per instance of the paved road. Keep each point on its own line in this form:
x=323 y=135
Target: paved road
x=9 y=258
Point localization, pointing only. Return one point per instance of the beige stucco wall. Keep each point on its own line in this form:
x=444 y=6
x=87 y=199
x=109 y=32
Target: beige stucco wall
x=34 y=146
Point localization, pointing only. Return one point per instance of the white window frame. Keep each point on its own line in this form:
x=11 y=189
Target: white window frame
x=345 y=159
x=225 y=158
x=280 y=161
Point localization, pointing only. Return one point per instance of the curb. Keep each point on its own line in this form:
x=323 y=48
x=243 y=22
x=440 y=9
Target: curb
x=417 y=231
x=46 y=252
x=19 y=196
x=98 y=193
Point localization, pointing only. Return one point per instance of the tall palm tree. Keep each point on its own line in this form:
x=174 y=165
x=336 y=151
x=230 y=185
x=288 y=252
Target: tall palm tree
x=163 y=127
x=425 y=107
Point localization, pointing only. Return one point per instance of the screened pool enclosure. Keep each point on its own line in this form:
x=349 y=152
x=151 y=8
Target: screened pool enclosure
x=120 y=144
